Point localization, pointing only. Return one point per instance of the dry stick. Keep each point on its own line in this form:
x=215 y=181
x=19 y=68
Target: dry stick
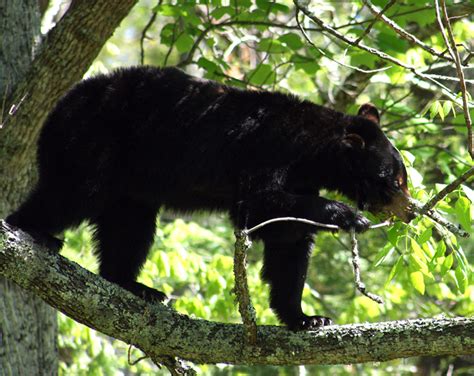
x=373 y=51
x=427 y=209
x=451 y=44
x=242 y=245
x=149 y=24
x=405 y=34
x=308 y=39
x=246 y=309
x=356 y=266
x=377 y=15
x=446 y=190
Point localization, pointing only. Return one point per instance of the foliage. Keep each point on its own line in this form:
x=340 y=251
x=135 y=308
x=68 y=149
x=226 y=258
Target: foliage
x=420 y=269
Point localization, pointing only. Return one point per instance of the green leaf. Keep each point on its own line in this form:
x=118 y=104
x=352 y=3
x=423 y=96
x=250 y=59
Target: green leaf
x=434 y=109
x=167 y=10
x=272 y=6
x=418 y=281
x=461 y=278
x=217 y=13
x=425 y=235
x=391 y=42
x=291 y=40
x=208 y=65
x=417 y=250
x=184 y=42
x=447 y=264
x=440 y=249
x=307 y=64
x=383 y=254
x=463 y=212
x=273 y=46
x=263 y=74
x=397 y=267
x=447 y=107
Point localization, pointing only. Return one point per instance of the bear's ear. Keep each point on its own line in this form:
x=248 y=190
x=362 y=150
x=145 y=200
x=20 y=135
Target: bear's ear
x=369 y=111
x=354 y=141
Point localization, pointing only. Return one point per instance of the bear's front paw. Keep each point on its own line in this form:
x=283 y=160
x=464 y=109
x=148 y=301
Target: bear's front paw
x=310 y=323
x=147 y=293
x=346 y=218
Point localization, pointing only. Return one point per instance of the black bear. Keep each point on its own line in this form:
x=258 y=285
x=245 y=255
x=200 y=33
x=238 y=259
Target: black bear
x=119 y=147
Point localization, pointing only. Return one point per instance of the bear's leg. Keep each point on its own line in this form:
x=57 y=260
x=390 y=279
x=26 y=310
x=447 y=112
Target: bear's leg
x=124 y=233
x=285 y=267
x=46 y=212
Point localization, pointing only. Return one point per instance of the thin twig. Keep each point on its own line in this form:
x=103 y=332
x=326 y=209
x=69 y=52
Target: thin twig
x=446 y=190
x=308 y=39
x=377 y=15
x=451 y=44
x=246 y=309
x=144 y=36
x=373 y=51
x=403 y=33
x=356 y=266
x=308 y=222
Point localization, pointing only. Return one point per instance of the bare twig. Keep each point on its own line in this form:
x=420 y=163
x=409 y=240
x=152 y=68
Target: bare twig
x=373 y=51
x=144 y=36
x=246 y=309
x=453 y=51
x=446 y=190
x=403 y=33
x=356 y=266
x=308 y=222
x=308 y=39
x=378 y=15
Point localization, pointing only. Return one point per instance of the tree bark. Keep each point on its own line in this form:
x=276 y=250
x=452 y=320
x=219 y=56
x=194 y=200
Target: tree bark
x=161 y=332
x=27 y=324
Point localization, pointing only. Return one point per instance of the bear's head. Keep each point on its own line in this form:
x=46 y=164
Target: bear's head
x=376 y=176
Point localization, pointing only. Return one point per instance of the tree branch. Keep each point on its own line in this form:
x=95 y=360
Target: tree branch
x=453 y=51
x=382 y=55
x=159 y=331
x=405 y=34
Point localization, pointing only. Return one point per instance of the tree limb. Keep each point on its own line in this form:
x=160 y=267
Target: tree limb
x=382 y=55
x=159 y=331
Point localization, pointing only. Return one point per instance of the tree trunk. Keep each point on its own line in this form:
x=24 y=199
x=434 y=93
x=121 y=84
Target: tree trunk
x=28 y=326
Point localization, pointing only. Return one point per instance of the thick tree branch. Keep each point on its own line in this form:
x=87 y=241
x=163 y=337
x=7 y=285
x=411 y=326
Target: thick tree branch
x=159 y=331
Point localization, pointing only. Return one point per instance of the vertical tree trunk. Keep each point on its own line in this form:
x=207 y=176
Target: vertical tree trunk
x=28 y=326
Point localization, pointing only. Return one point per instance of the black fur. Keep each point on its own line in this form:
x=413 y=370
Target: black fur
x=120 y=146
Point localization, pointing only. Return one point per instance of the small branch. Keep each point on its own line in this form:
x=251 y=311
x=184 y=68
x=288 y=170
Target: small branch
x=356 y=266
x=378 y=15
x=308 y=222
x=308 y=39
x=446 y=190
x=149 y=24
x=405 y=34
x=373 y=51
x=246 y=309
x=453 y=50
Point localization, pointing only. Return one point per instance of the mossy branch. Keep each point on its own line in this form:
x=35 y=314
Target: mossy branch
x=160 y=331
